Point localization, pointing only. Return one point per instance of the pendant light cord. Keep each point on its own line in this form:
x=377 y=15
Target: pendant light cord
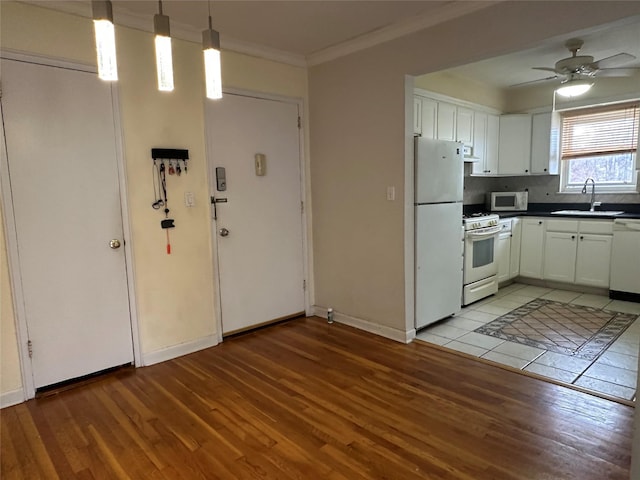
x=209 y=7
x=160 y=6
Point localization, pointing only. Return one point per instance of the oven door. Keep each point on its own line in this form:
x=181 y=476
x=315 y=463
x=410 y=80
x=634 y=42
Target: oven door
x=480 y=254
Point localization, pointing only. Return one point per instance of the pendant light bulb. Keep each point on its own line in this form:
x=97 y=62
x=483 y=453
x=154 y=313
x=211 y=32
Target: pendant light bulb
x=105 y=40
x=212 y=68
x=164 y=58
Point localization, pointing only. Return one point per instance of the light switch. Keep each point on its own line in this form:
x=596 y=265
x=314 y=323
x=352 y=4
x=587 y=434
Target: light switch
x=189 y=199
x=391 y=193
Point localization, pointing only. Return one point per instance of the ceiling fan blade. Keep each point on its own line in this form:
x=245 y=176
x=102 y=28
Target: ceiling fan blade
x=618 y=72
x=546 y=69
x=539 y=80
x=613 y=60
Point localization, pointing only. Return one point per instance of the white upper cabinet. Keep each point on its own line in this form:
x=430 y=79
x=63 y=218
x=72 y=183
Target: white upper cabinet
x=446 y=121
x=429 y=113
x=485 y=144
x=464 y=126
x=545 y=143
x=417 y=116
x=514 y=149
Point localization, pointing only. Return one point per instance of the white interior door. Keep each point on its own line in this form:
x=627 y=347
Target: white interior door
x=261 y=259
x=61 y=152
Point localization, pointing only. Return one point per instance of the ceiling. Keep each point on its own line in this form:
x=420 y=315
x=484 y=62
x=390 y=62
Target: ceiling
x=308 y=32
x=515 y=68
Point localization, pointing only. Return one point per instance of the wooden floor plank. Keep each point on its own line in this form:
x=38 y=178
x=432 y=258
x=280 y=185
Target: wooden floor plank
x=306 y=400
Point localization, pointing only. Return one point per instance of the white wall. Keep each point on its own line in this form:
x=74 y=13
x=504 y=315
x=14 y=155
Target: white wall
x=175 y=293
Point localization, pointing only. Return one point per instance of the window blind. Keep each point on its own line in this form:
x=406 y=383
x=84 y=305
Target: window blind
x=601 y=131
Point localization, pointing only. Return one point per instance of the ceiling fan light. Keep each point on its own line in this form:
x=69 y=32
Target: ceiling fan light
x=574 y=88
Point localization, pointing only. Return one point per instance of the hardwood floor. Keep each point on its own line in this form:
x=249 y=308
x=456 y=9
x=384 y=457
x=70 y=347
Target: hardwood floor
x=305 y=400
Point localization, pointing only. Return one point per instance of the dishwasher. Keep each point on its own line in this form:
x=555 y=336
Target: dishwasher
x=625 y=260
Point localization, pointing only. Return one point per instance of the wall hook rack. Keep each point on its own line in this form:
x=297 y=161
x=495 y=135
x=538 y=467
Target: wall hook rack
x=175 y=157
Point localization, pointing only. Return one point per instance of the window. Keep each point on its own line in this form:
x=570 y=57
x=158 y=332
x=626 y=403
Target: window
x=601 y=143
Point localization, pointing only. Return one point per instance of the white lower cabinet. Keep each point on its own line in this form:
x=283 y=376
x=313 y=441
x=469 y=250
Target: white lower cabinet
x=593 y=260
x=532 y=247
x=568 y=251
x=503 y=251
x=560 y=256
x=516 y=235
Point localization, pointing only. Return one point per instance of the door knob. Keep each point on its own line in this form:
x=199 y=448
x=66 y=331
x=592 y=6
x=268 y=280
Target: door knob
x=224 y=232
x=115 y=243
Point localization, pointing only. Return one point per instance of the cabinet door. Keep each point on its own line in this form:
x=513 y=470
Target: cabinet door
x=491 y=150
x=429 y=112
x=532 y=248
x=560 y=256
x=479 y=143
x=446 y=121
x=464 y=126
x=541 y=143
x=503 y=256
x=516 y=235
x=417 y=115
x=514 y=148
x=593 y=260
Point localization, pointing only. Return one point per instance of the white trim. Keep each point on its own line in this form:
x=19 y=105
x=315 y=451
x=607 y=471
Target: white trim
x=409 y=209
x=439 y=97
x=174 y=351
x=305 y=195
x=13 y=397
x=399 y=29
x=11 y=233
x=368 y=326
x=126 y=227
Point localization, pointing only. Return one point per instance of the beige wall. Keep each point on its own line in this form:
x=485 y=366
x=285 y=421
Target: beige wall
x=358 y=143
x=467 y=89
x=175 y=293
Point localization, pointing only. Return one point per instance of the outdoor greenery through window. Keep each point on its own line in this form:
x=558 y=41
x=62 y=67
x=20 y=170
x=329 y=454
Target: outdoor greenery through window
x=600 y=143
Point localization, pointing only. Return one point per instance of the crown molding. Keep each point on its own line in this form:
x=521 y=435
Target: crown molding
x=192 y=34
x=178 y=30
x=399 y=29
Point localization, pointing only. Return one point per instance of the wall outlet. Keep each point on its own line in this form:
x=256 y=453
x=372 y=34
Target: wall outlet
x=189 y=199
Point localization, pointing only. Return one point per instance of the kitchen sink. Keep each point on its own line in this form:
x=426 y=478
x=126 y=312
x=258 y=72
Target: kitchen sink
x=587 y=213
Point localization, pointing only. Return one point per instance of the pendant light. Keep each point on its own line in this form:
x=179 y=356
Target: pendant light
x=164 y=60
x=105 y=39
x=212 y=69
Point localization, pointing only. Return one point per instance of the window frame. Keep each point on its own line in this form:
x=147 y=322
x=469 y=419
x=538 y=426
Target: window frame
x=620 y=187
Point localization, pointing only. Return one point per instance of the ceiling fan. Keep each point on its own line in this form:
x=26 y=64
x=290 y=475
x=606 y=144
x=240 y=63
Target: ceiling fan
x=582 y=69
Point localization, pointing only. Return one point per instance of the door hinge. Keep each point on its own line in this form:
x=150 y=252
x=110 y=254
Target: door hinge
x=30 y=348
x=304 y=284
x=299 y=122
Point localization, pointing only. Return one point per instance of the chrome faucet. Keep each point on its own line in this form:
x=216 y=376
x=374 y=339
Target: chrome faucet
x=593 y=191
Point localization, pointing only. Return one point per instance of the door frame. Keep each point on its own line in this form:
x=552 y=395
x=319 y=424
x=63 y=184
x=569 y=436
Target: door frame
x=6 y=197
x=307 y=264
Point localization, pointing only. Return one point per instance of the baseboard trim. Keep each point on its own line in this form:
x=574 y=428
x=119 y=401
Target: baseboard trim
x=361 y=324
x=14 y=397
x=179 y=350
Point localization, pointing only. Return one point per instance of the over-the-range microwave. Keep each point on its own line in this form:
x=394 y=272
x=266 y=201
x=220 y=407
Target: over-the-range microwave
x=508 y=201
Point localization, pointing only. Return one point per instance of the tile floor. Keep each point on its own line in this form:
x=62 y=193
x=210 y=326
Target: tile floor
x=614 y=372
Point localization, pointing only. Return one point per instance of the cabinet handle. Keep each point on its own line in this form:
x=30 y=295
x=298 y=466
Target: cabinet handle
x=540 y=222
x=581 y=237
x=526 y=171
x=573 y=237
x=545 y=169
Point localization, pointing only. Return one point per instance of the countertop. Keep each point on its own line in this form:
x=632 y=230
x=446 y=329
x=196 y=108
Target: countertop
x=631 y=210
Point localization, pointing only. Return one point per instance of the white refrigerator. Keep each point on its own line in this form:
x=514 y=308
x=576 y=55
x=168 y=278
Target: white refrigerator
x=438 y=229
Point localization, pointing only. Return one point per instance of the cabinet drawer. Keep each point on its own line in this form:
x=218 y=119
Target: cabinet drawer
x=602 y=227
x=568 y=226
